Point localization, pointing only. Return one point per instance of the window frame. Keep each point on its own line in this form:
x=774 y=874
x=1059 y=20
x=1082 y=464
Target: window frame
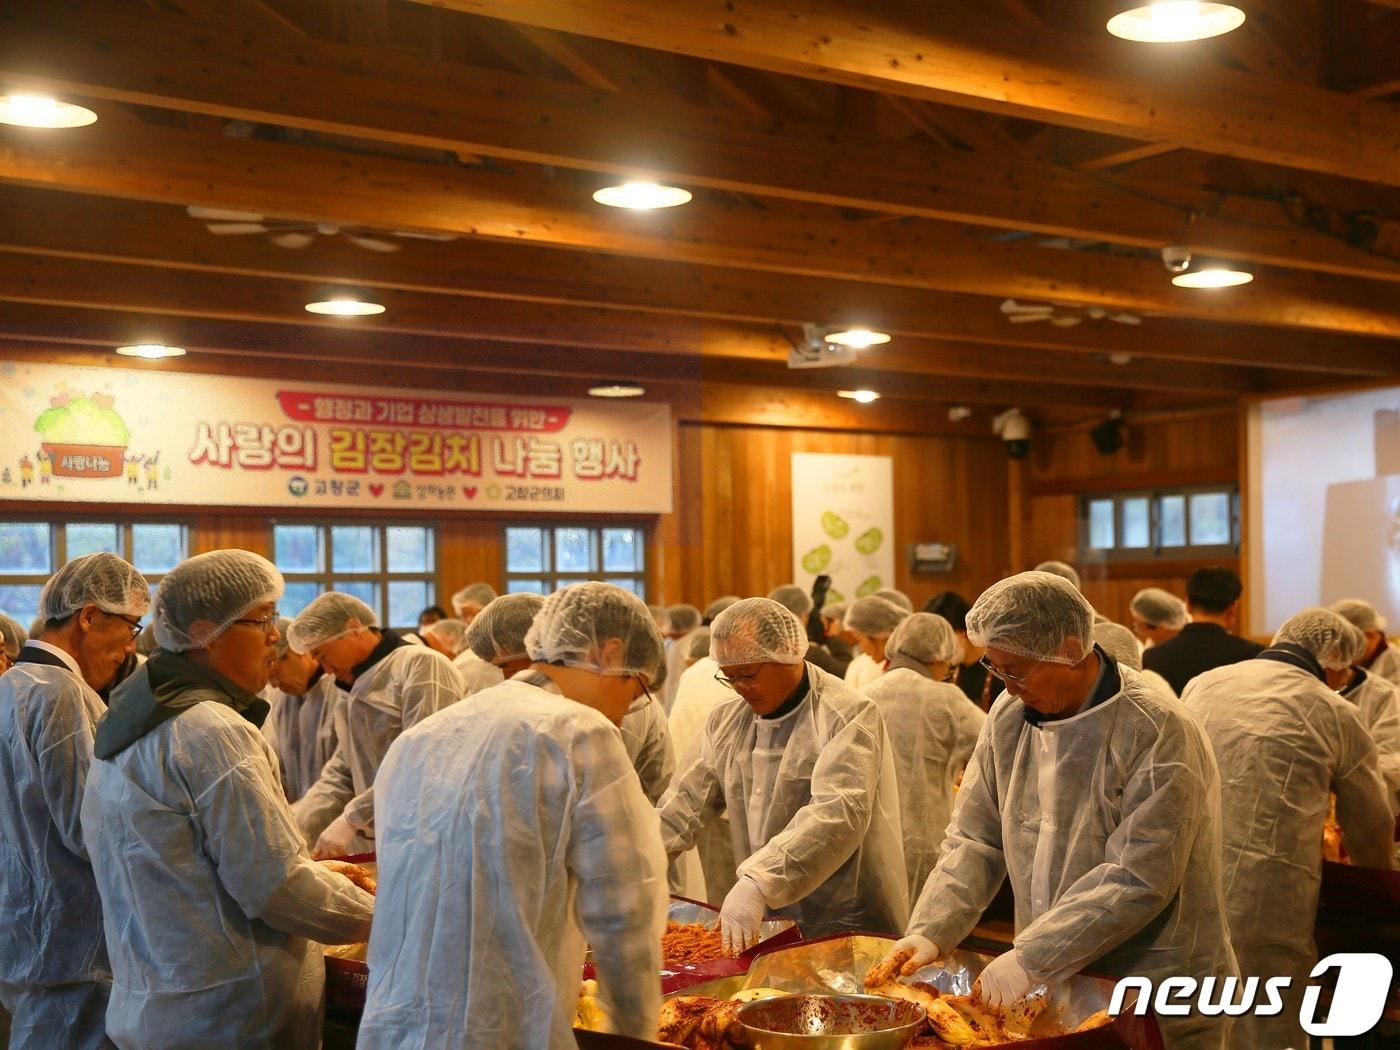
x=554 y=579
x=381 y=577
x=1156 y=550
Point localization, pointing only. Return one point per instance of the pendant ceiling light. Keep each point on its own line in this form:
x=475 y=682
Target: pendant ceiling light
x=1175 y=21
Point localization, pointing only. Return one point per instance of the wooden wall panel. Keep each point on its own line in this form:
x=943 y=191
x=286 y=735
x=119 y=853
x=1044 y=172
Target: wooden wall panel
x=469 y=549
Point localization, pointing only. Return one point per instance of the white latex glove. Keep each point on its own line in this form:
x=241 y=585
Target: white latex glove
x=1003 y=982
x=335 y=840
x=741 y=916
x=909 y=954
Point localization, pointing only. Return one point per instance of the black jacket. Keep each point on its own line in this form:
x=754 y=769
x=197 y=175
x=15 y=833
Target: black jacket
x=1198 y=648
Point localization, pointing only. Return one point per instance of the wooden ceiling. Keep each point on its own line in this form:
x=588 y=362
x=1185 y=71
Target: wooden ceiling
x=904 y=164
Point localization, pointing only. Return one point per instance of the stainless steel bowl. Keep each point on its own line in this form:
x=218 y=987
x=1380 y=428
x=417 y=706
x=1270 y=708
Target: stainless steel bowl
x=830 y=1022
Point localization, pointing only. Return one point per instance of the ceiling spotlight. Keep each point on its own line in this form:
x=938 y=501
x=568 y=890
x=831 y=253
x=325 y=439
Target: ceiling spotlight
x=863 y=396
x=1212 y=277
x=151 y=351
x=37 y=111
x=1175 y=21
x=641 y=196
x=344 y=306
x=617 y=390
x=858 y=338
x=957 y=413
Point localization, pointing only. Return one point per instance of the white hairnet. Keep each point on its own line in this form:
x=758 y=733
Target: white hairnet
x=284 y=624
x=684 y=617
x=1033 y=614
x=874 y=616
x=1119 y=643
x=328 y=618
x=450 y=632
x=924 y=637
x=498 y=632
x=792 y=598
x=103 y=580
x=12 y=636
x=696 y=644
x=1063 y=570
x=757 y=631
x=217 y=587
x=719 y=605
x=660 y=617
x=895 y=597
x=575 y=622
x=1360 y=614
x=1324 y=634
x=474 y=594
x=1159 y=608
x=835 y=611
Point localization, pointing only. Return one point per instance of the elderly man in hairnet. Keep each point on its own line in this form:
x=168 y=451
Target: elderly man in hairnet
x=512 y=832
x=215 y=914
x=933 y=728
x=1286 y=741
x=1121 y=644
x=391 y=686
x=1377 y=703
x=1158 y=616
x=871 y=621
x=467 y=604
x=684 y=621
x=805 y=768
x=305 y=708
x=54 y=976
x=1379 y=657
x=12 y=639
x=798 y=602
x=1099 y=797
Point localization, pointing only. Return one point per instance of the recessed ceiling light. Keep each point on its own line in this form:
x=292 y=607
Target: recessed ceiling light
x=641 y=196
x=858 y=338
x=151 y=351
x=344 y=306
x=1212 y=277
x=38 y=111
x=863 y=396
x=1175 y=21
x=617 y=390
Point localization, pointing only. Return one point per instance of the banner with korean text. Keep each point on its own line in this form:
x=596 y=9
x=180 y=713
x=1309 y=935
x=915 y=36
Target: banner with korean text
x=80 y=434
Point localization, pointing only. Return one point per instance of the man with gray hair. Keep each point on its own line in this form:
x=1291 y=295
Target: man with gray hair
x=305 y=709
x=1378 y=657
x=806 y=771
x=391 y=685
x=1287 y=742
x=54 y=975
x=467 y=605
x=1098 y=797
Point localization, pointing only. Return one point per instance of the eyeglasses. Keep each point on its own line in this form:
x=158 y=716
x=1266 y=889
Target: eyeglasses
x=643 y=683
x=1010 y=679
x=134 y=625
x=725 y=680
x=266 y=623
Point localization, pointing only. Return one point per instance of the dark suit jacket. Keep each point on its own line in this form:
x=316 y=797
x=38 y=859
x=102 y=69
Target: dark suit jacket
x=1198 y=648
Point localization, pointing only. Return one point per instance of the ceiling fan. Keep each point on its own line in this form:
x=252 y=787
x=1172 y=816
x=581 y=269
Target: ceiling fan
x=1063 y=315
x=295 y=233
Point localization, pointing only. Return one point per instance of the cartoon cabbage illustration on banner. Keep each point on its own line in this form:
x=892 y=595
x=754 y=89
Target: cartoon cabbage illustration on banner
x=817 y=559
x=868 y=542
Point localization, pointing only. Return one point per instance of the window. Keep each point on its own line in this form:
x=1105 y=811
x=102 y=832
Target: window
x=31 y=551
x=1169 y=524
x=541 y=559
x=392 y=568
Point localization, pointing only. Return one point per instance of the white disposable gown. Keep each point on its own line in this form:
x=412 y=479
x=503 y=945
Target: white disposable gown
x=1387 y=664
x=1108 y=824
x=648 y=744
x=1378 y=703
x=406 y=686
x=511 y=829
x=301 y=730
x=675 y=665
x=54 y=976
x=933 y=728
x=1284 y=741
x=211 y=903
x=862 y=671
x=477 y=674
x=813 y=803
x=709 y=867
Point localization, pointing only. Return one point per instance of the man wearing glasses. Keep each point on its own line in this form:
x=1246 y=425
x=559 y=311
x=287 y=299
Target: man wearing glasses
x=804 y=766
x=1100 y=797
x=54 y=977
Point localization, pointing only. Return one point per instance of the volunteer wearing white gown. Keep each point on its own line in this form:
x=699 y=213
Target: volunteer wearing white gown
x=448 y=636
x=1098 y=797
x=54 y=975
x=871 y=620
x=1377 y=702
x=805 y=768
x=392 y=685
x=932 y=727
x=1285 y=740
x=1158 y=616
x=512 y=831
x=12 y=639
x=1379 y=657
x=211 y=905
x=685 y=620
x=301 y=722
x=467 y=603
x=1121 y=644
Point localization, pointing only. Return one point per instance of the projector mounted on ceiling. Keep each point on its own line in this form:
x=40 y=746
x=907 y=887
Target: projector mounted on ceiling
x=813 y=351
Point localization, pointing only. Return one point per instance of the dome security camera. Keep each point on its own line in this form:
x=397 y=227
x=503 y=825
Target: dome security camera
x=1176 y=258
x=1014 y=428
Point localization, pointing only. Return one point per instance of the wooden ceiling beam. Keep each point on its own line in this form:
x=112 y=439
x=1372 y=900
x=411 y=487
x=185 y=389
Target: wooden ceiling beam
x=66 y=225
x=982 y=62
x=52 y=281
x=282 y=179
x=91 y=48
